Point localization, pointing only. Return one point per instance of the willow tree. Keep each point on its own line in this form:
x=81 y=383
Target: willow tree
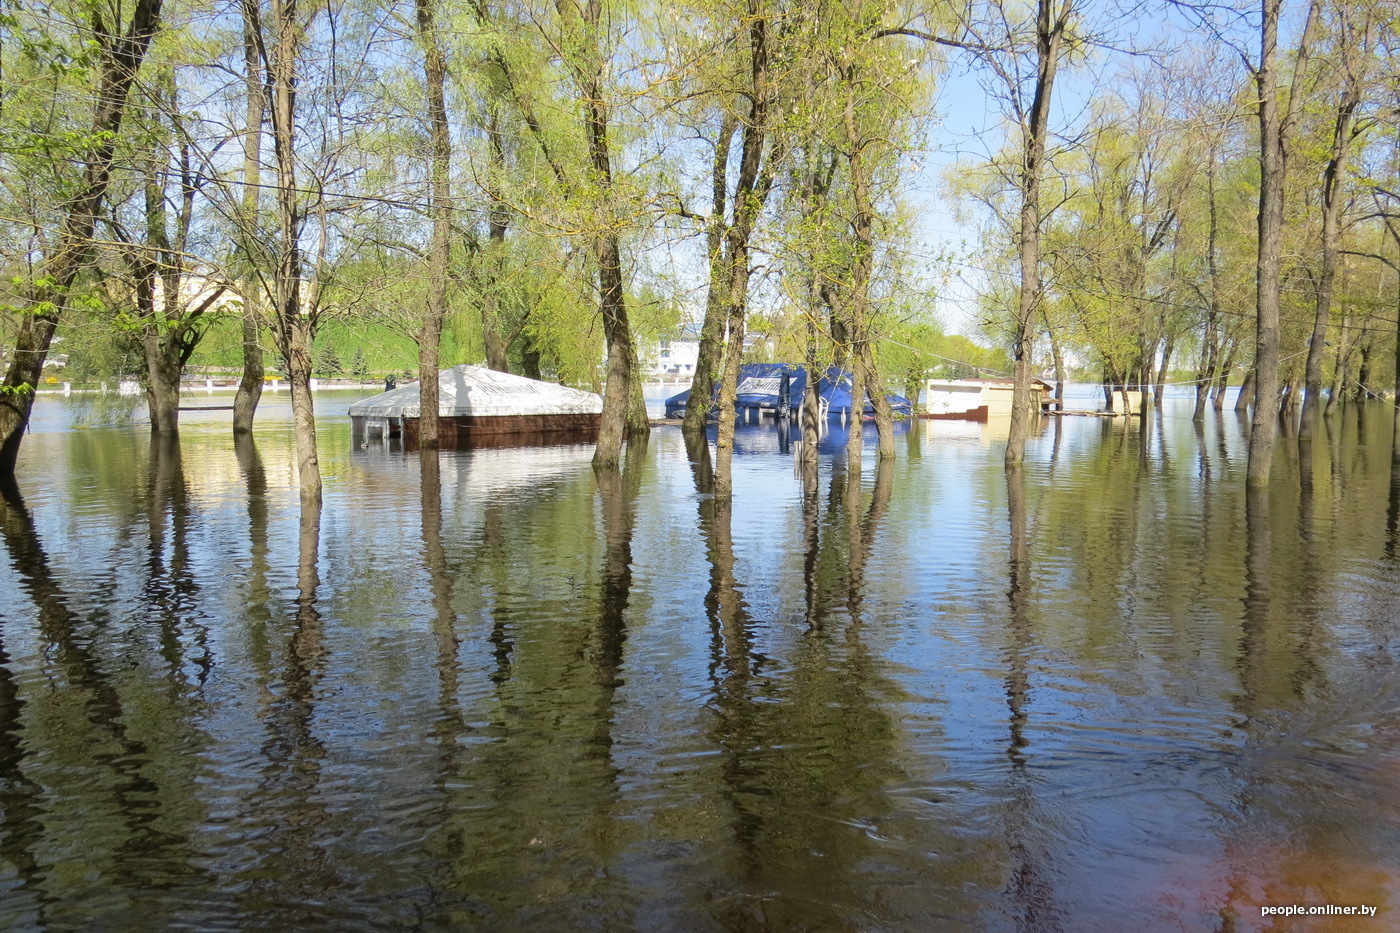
x=1352 y=29
x=119 y=53
x=753 y=86
x=564 y=86
x=745 y=91
x=1026 y=84
x=1020 y=50
x=282 y=35
x=313 y=80
x=158 y=288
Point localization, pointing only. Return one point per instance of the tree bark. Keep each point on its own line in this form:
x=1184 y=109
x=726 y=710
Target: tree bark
x=295 y=329
x=1332 y=201
x=1247 y=391
x=1049 y=35
x=619 y=420
x=59 y=269
x=440 y=206
x=1275 y=129
x=1206 y=375
x=1159 y=390
x=497 y=223
x=864 y=379
x=751 y=188
x=711 y=350
x=1339 y=367
x=250 y=383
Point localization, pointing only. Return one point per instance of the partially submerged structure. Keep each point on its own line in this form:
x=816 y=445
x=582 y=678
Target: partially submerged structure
x=769 y=389
x=480 y=407
x=978 y=399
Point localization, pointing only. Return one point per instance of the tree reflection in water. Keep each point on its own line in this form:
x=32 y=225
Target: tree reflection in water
x=494 y=690
x=1031 y=890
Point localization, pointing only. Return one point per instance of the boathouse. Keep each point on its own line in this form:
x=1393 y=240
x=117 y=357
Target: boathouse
x=977 y=399
x=480 y=407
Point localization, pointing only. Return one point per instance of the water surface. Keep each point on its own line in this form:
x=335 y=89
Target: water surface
x=1111 y=692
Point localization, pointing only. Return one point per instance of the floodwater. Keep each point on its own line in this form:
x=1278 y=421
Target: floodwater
x=1111 y=693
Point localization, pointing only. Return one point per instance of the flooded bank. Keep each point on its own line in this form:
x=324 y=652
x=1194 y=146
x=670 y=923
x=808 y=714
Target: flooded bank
x=497 y=692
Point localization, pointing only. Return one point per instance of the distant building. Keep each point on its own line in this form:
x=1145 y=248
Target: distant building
x=676 y=357
x=977 y=399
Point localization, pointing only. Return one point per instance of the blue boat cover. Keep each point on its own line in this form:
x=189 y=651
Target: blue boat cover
x=761 y=386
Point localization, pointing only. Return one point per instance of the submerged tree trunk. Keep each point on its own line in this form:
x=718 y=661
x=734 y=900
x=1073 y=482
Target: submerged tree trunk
x=1246 y=396
x=1339 y=369
x=1222 y=378
x=1058 y=356
x=864 y=379
x=1210 y=349
x=810 y=413
x=1275 y=129
x=1363 y=372
x=730 y=247
x=1159 y=390
x=295 y=324
x=1332 y=201
x=728 y=415
x=617 y=391
x=620 y=417
x=1049 y=34
x=880 y=401
x=59 y=268
x=711 y=349
x=440 y=206
x=855 y=438
x=250 y=383
x=497 y=220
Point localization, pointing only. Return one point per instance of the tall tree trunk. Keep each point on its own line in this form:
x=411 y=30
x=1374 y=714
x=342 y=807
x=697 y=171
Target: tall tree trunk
x=810 y=415
x=498 y=221
x=250 y=383
x=619 y=420
x=751 y=188
x=1395 y=446
x=1049 y=34
x=1211 y=342
x=858 y=311
x=440 y=206
x=617 y=391
x=855 y=438
x=1275 y=128
x=1332 y=201
x=295 y=325
x=59 y=269
x=710 y=352
x=728 y=396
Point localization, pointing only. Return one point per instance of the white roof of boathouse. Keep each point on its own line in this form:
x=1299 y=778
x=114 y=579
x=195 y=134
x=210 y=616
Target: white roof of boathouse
x=476 y=390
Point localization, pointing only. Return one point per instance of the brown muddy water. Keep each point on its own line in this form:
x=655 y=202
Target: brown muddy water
x=1108 y=694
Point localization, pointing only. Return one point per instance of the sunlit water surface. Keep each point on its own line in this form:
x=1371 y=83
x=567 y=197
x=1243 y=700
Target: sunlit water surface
x=1110 y=695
